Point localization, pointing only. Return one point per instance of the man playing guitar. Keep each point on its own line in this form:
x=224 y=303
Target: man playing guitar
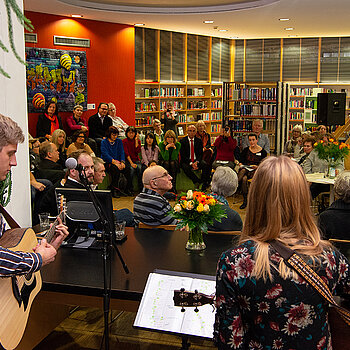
x=17 y=262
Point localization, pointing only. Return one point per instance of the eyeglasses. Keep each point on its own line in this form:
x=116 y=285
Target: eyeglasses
x=104 y=109
x=166 y=174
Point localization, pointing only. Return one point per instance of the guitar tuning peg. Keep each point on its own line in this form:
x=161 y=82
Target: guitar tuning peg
x=182 y=289
x=183 y=309
x=196 y=309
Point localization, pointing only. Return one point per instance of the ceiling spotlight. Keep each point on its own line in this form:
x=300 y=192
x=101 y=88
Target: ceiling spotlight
x=208 y=22
x=77 y=16
x=222 y=30
x=283 y=19
x=292 y=36
x=289 y=28
x=139 y=24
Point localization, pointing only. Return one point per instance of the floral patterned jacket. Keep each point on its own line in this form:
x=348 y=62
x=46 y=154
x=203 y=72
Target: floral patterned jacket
x=283 y=314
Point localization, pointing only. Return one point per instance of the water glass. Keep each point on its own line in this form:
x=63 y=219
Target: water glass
x=44 y=221
x=119 y=229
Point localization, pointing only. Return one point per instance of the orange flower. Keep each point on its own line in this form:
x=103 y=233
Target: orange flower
x=336 y=143
x=331 y=140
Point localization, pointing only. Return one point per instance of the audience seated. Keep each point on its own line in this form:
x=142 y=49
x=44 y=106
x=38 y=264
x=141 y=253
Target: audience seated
x=99 y=174
x=118 y=122
x=59 y=139
x=191 y=153
x=76 y=122
x=205 y=138
x=170 y=118
x=99 y=124
x=49 y=168
x=157 y=131
x=149 y=151
x=308 y=146
x=169 y=154
x=292 y=146
x=150 y=207
x=78 y=143
x=112 y=151
x=250 y=158
x=49 y=121
x=72 y=180
x=34 y=157
x=263 y=139
x=322 y=129
x=132 y=148
x=334 y=222
x=224 y=184
x=226 y=148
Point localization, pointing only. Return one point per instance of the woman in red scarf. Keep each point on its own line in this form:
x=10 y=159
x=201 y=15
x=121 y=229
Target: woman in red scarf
x=49 y=121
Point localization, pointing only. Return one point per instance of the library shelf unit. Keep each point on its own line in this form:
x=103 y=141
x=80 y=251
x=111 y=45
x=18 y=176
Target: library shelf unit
x=302 y=102
x=245 y=101
x=193 y=101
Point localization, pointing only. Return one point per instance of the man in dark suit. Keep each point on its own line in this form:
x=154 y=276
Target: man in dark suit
x=191 y=153
x=99 y=124
x=48 y=167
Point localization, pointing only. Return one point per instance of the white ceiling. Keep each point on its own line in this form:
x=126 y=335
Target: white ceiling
x=309 y=18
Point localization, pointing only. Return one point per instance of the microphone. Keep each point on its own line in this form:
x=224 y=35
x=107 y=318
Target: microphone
x=71 y=163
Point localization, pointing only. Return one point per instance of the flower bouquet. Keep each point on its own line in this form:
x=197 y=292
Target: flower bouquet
x=197 y=210
x=332 y=151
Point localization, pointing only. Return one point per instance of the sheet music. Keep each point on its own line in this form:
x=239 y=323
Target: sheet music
x=157 y=310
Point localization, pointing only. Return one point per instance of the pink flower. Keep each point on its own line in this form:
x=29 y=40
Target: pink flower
x=321 y=343
x=300 y=315
x=343 y=267
x=291 y=329
x=245 y=266
x=244 y=302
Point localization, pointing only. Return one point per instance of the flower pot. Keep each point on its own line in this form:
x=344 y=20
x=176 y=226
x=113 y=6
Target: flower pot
x=195 y=240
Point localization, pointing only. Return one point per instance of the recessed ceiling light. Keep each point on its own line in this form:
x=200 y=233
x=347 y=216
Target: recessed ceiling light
x=292 y=36
x=77 y=16
x=222 y=30
x=283 y=19
x=208 y=21
x=139 y=24
x=289 y=28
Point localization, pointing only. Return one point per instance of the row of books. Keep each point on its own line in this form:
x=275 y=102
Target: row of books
x=201 y=104
x=166 y=104
x=145 y=106
x=216 y=92
x=216 y=104
x=256 y=94
x=172 y=92
x=195 y=91
x=214 y=116
x=146 y=121
x=296 y=104
x=311 y=103
x=215 y=128
x=151 y=92
x=258 y=109
x=301 y=91
x=296 y=115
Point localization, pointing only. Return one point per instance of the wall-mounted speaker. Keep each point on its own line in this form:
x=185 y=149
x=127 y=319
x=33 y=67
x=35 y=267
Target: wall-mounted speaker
x=331 y=108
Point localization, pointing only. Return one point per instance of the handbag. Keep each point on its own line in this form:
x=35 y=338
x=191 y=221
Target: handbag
x=338 y=316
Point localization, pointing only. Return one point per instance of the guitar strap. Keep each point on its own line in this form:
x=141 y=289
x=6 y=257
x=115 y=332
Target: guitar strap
x=294 y=261
x=10 y=220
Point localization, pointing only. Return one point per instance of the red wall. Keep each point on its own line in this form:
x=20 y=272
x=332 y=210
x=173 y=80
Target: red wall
x=110 y=60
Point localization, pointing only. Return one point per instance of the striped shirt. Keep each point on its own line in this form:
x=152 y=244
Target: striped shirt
x=152 y=209
x=17 y=263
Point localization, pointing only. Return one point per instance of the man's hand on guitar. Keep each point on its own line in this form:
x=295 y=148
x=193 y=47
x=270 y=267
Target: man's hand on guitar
x=61 y=232
x=47 y=251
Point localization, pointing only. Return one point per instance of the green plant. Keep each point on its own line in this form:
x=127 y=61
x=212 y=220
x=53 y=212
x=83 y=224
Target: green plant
x=332 y=150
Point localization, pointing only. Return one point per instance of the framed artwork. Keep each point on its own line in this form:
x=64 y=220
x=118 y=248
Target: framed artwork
x=57 y=75
x=180 y=130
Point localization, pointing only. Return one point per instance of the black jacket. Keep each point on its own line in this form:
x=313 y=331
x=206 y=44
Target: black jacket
x=96 y=128
x=185 y=150
x=43 y=126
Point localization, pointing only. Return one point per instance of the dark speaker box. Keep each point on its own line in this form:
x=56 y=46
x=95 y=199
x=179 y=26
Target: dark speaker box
x=331 y=108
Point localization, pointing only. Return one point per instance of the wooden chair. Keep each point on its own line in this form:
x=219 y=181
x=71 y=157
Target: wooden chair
x=152 y=227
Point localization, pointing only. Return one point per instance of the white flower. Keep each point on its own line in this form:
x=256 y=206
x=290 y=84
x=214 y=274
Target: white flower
x=206 y=208
x=189 y=194
x=190 y=205
x=177 y=208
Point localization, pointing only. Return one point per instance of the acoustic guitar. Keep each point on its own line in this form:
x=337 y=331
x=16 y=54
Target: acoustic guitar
x=186 y=298
x=18 y=292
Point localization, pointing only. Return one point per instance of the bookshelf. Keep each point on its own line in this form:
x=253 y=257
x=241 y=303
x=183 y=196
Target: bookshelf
x=244 y=102
x=192 y=100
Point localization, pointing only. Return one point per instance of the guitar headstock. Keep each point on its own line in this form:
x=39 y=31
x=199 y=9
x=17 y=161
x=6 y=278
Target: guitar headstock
x=185 y=298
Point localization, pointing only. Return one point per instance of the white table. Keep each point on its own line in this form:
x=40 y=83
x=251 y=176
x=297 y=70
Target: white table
x=320 y=179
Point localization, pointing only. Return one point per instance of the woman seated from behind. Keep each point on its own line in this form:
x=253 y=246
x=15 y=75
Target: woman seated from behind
x=132 y=148
x=250 y=158
x=149 y=151
x=169 y=154
x=224 y=184
x=261 y=302
x=59 y=139
x=78 y=139
x=112 y=152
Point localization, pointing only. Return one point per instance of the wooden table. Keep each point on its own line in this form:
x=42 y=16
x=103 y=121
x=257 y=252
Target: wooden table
x=320 y=179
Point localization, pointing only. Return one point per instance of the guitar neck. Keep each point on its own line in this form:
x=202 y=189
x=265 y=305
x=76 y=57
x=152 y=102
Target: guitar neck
x=51 y=231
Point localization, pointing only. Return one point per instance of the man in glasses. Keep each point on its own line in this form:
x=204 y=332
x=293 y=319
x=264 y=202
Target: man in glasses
x=150 y=206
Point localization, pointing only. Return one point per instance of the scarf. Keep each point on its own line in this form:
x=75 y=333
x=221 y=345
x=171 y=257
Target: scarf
x=54 y=122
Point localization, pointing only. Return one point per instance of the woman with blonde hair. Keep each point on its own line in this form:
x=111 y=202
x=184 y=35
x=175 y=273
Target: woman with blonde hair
x=59 y=139
x=169 y=151
x=262 y=303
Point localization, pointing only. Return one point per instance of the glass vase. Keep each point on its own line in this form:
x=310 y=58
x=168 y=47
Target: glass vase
x=195 y=240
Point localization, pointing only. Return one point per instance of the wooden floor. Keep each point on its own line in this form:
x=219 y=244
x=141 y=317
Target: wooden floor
x=83 y=329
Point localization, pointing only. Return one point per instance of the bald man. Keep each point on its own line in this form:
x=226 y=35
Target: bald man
x=150 y=207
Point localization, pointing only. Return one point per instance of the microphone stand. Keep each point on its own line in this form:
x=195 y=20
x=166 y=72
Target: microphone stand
x=107 y=245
